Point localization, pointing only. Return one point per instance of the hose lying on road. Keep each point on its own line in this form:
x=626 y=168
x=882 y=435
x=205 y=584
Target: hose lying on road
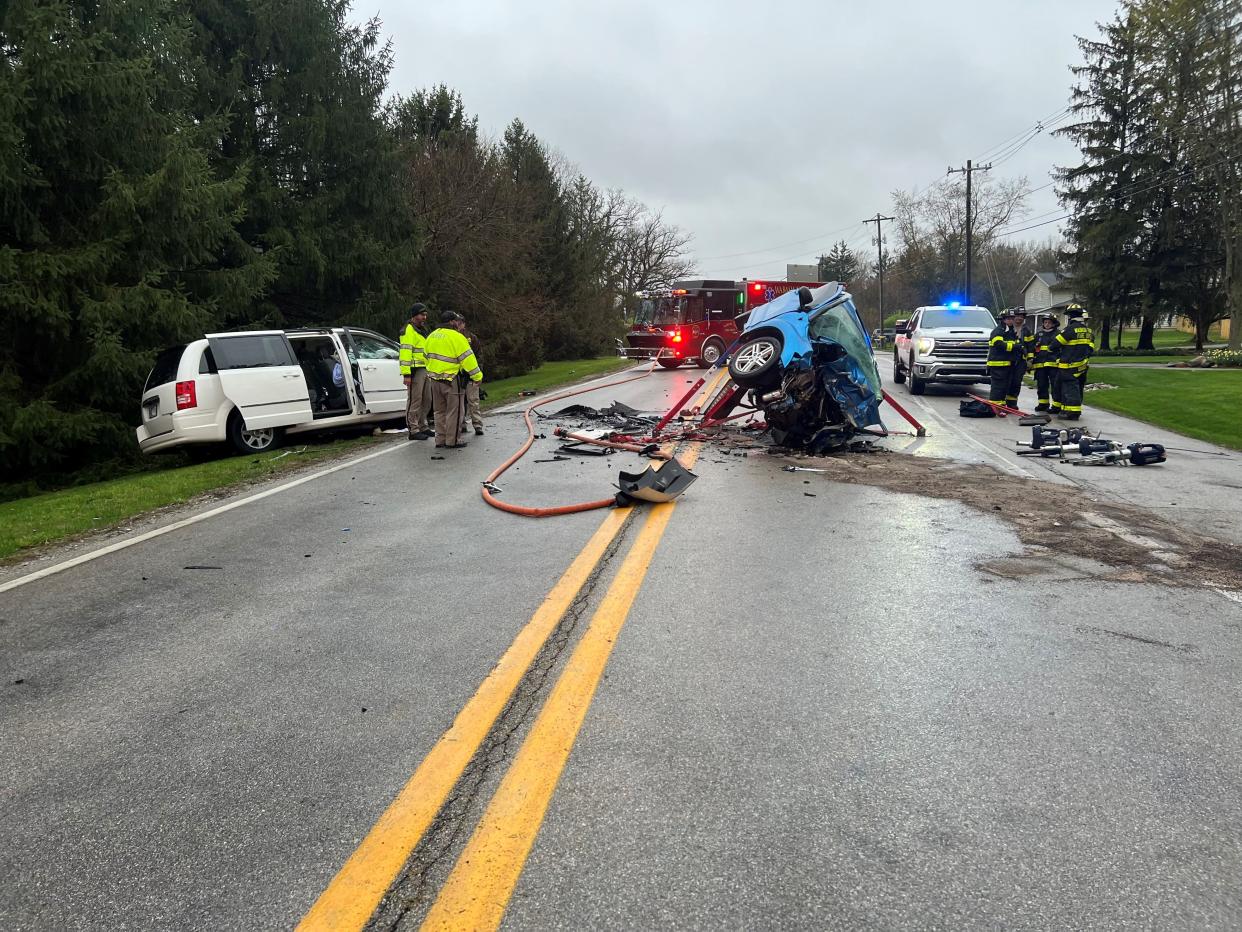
x=524 y=510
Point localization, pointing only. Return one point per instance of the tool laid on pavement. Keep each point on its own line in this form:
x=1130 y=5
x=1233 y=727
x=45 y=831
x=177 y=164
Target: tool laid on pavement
x=1132 y=454
x=1027 y=418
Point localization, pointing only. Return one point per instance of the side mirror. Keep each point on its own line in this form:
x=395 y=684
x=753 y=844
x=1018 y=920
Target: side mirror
x=900 y=326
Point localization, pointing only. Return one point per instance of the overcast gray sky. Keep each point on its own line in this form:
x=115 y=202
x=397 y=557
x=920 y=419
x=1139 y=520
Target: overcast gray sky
x=767 y=129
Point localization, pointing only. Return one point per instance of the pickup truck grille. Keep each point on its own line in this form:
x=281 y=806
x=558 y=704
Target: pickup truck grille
x=962 y=350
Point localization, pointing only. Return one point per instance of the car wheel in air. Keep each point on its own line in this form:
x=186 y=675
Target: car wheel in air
x=251 y=441
x=710 y=354
x=756 y=362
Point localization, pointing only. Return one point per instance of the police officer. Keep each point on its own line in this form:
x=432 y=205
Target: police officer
x=474 y=390
x=1077 y=347
x=450 y=363
x=1047 y=349
x=1002 y=349
x=414 y=372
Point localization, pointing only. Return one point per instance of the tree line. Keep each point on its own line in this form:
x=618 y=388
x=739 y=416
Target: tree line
x=1155 y=203
x=175 y=167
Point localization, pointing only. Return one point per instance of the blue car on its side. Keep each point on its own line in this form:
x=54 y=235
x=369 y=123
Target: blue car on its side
x=808 y=359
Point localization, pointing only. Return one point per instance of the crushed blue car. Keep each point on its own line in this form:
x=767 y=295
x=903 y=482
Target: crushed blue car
x=807 y=359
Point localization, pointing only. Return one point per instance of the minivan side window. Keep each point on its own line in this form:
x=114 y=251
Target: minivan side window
x=374 y=347
x=165 y=368
x=252 y=351
x=207 y=363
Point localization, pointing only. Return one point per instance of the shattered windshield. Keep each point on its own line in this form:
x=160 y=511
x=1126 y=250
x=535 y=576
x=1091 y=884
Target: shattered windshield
x=841 y=324
x=657 y=312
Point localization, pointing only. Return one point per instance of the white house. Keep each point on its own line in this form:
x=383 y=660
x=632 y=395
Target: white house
x=1047 y=292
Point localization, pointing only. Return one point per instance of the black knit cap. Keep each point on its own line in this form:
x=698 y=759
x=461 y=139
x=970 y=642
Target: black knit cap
x=417 y=309
x=447 y=317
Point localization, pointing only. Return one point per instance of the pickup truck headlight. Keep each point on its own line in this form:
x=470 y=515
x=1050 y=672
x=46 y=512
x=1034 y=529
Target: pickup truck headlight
x=925 y=345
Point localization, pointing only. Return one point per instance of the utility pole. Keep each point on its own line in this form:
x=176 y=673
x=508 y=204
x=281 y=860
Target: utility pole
x=970 y=212
x=879 y=242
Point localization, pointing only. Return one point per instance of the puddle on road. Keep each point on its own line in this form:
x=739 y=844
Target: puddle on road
x=1066 y=532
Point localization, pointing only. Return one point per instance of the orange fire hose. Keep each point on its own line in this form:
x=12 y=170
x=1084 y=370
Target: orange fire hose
x=525 y=510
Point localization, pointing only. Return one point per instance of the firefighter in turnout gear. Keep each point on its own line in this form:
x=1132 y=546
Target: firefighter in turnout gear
x=1023 y=358
x=1002 y=351
x=414 y=372
x=1047 y=349
x=1077 y=347
x=450 y=364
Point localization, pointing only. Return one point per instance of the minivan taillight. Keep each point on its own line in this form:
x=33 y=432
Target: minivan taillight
x=186 y=397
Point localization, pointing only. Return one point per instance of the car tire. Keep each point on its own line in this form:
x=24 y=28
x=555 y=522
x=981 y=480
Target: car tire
x=669 y=363
x=251 y=441
x=710 y=354
x=899 y=374
x=917 y=386
x=756 y=362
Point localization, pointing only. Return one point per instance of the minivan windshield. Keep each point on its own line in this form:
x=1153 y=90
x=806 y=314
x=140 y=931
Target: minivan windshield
x=957 y=317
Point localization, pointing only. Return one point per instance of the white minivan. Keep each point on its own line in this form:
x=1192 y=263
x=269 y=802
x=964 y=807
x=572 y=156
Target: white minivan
x=250 y=388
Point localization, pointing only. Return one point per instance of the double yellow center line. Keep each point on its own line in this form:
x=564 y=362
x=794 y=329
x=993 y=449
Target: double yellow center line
x=478 y=889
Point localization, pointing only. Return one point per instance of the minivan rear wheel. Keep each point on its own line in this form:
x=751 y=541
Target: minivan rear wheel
x=259 y=440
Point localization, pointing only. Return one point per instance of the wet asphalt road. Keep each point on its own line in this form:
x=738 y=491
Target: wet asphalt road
x=819 y=713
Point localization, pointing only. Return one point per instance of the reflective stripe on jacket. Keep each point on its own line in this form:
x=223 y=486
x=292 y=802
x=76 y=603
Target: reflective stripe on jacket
x=448 y=353
x=1077 y=346
x=1047 y=349
x=1028 y=346
x=412 y=353
x=1002 y=346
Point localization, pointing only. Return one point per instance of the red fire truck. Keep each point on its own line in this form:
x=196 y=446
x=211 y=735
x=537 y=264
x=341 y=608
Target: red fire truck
x=696 y=320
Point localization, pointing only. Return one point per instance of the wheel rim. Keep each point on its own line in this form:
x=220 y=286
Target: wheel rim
x=711 y=353
x=257 y=439
x=754 y=356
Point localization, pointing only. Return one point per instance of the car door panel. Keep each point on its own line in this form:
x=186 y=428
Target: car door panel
x=260 y=375
x=380 y=371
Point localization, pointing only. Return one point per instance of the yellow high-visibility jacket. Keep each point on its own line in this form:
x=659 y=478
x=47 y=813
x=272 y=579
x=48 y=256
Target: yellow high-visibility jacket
x=448 y=353
x=413 y=355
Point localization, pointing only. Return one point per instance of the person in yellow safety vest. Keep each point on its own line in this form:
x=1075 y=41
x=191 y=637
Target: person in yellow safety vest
x=1002 y=350
x=414 y=373
x=1047 y=349
x=1022 y=359
x=450 y=364
x=474 y=390
x=1077 y=346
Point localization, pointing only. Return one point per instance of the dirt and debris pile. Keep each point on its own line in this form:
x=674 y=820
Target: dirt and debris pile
x=1051 y=519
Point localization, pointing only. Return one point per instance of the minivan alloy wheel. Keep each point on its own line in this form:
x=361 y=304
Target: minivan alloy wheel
x=259 y=439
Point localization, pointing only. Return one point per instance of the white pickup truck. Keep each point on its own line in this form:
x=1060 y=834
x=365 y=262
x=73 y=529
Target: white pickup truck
x=945 y=343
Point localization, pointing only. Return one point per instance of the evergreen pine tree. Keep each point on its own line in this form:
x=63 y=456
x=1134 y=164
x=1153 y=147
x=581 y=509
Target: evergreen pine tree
x=118 y=237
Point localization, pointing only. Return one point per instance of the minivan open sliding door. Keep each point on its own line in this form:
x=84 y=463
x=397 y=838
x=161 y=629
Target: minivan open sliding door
x=260 y=374
x=378 y=369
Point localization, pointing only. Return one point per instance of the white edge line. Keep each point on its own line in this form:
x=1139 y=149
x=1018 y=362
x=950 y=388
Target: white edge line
x=186 y=522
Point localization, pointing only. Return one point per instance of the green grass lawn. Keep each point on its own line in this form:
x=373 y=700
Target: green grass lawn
x=1165 y=339
x=550 y=375
x=1201 y=403
x=67 y=513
